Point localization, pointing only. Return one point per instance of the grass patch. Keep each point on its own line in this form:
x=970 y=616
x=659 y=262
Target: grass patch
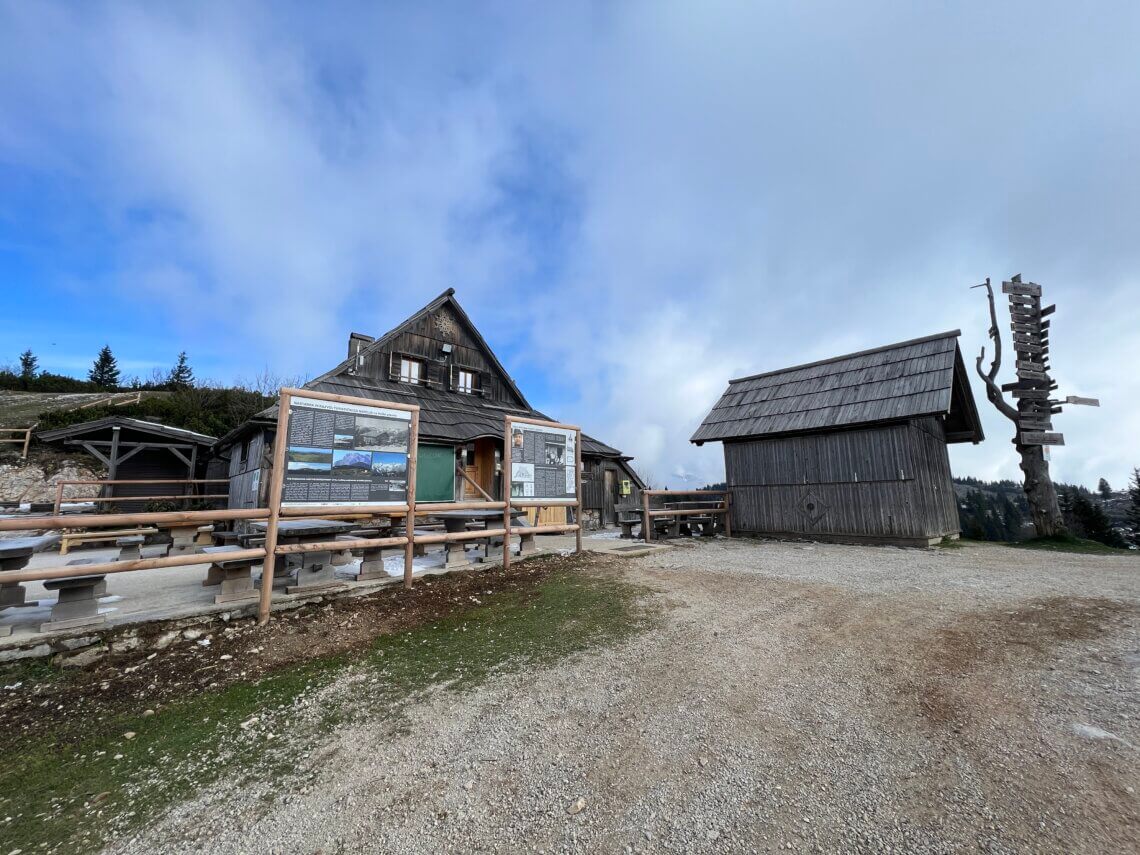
x=1068 y=543
x=951 y=543
x=76 y=796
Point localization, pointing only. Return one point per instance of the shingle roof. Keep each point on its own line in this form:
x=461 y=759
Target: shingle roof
x=897 y=381
x=126 y=422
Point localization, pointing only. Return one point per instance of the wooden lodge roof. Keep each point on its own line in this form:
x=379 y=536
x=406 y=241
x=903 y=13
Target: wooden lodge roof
x=920 y=377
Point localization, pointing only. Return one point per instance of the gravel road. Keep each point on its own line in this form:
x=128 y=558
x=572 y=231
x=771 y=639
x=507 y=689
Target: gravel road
x=811 y=698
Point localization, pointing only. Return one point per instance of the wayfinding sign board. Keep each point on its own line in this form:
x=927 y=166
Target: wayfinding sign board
x=543 y=462
x=345 y=454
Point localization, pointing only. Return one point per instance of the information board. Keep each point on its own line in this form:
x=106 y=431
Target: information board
x=345 y=454
x=543 y=462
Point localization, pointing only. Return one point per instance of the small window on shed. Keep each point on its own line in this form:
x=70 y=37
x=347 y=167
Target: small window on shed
x=466 y=381
x=411 y=370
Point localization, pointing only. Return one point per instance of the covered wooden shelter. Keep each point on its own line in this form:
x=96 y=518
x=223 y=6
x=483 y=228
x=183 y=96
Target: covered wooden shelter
x=137 y=450
x=852 y=448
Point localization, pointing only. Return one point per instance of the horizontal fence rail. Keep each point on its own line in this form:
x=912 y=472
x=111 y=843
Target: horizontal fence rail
x=142 y=482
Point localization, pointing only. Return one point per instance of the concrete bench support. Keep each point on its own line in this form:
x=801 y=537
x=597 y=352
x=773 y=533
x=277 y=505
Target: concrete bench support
x=78 y=603
x=130 y=548
x=234 y=577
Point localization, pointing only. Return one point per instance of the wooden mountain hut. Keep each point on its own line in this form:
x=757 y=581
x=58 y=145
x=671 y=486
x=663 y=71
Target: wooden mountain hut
x=439 y=360
x=852 y=448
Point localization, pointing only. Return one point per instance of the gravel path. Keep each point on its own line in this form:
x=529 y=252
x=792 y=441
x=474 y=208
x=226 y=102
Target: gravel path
x=798 y=697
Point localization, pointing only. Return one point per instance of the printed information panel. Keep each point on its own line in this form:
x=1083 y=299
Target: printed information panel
x=345 y=454
x=543 y=462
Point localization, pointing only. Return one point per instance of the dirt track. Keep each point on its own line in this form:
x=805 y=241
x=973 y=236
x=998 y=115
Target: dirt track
x=819 y=698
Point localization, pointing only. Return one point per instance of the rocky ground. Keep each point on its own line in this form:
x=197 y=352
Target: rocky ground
x=785 y=697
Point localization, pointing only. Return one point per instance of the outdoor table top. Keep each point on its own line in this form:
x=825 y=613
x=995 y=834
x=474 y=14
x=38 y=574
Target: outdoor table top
x=307 y=528
x=19 y=547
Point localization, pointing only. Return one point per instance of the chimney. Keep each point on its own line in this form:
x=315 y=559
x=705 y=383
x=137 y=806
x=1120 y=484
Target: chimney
x=356 y=341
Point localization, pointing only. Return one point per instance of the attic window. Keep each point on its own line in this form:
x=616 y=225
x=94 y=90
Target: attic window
x=466 y=381
x=411 y=370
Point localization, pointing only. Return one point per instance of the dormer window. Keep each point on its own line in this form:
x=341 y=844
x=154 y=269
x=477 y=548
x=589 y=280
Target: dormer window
x=465 y=381
x=411 y=370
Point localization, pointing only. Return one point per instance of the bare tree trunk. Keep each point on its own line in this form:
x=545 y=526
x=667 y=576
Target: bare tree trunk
x=1040 y=492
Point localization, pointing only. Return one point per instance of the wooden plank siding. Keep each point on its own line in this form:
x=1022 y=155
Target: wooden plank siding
x=884 y=483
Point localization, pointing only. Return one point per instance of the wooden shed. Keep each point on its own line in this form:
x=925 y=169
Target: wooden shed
x=138 y=450
x=439 y=360
x=852 y=448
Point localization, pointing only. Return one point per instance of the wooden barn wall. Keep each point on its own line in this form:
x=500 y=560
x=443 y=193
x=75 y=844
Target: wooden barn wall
x=149 y=464
x=887 y=482
x=424 y=340
x=243 y=473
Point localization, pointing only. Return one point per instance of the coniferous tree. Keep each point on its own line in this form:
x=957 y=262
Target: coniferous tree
x=181 y=376
x=1134 y=505
x=105 y=371
x=28 y=366
x=1104 y=490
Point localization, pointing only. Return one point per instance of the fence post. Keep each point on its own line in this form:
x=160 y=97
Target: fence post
x=505 y=481
x=728 y=513
x=578 y=488
x=276 y=477
x=410 y=492
x=646 y=522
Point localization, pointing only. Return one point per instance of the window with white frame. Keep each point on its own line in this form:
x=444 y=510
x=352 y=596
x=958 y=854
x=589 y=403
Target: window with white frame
x=411 y=370
x=465 y=381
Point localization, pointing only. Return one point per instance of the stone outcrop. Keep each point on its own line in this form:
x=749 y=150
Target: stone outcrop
x=36 y=481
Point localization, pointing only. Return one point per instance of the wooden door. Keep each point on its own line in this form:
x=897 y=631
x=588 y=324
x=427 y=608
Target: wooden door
x=609 y=513
x=481 y=469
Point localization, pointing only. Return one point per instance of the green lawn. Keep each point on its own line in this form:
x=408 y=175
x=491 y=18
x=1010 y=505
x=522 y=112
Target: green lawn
x=1068 y=543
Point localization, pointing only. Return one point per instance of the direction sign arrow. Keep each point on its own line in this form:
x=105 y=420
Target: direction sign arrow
x=1084 y=402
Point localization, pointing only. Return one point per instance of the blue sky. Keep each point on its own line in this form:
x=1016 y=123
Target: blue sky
x=634 y=201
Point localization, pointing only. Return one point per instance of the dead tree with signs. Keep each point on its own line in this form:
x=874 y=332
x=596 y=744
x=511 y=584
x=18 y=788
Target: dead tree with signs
x=1033 y=413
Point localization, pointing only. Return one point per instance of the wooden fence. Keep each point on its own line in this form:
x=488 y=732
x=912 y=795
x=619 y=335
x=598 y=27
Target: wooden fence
x=276 y=511
x=18 y=436
x=186 y=482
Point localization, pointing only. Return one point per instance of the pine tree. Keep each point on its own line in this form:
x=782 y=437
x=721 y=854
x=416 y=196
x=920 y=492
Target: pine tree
x=28 y=367
x=104 y=372
x=1104 y=490
x=1134 y=505
x=181 y=376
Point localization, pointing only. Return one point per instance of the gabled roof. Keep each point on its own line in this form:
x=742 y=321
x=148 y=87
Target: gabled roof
x=446 y=298
x=920 y=377
x=128 y=423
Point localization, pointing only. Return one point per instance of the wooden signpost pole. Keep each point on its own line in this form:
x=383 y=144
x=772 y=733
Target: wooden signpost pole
x=276 y=477
x=578 y=487
x=505 y=481
x=410 y=524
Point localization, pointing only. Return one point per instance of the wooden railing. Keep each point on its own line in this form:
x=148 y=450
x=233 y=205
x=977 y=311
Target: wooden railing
x=185 y=482
x=167 y=519
x=19 y=436
x=722 y=506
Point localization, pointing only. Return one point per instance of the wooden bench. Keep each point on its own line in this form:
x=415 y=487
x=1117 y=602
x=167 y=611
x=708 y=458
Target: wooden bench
x=627 y=524
x=68 y=538
x=78 y=602
x=235 y=575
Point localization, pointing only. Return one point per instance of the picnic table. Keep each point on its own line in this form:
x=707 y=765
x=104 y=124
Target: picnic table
x=314 y=570
x=455 y=554
x=78 y=601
